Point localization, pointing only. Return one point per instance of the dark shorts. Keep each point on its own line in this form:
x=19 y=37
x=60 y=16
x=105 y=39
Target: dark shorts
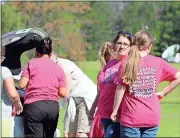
x=41 y=118
x=111 y=129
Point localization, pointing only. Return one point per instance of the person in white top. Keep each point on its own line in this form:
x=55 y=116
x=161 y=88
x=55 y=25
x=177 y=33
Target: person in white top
x=9 y=97
x=81 y=95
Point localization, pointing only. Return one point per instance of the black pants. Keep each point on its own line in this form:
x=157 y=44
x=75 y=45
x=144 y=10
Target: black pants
x=40 y=119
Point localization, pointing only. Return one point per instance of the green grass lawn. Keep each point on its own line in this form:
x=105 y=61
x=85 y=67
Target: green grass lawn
x=170 y=105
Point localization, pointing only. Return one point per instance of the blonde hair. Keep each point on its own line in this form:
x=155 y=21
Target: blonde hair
x=105 y=48
x=142 y=41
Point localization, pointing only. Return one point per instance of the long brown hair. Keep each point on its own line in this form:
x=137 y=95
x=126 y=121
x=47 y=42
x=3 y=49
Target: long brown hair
x=106 y=48
x=142 y=41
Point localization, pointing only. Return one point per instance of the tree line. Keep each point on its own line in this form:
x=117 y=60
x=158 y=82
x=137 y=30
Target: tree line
x=78 y=29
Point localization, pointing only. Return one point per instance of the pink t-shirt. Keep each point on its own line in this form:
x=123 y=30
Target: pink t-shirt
x=140 y=106
x=107 y=88
x=45 y=78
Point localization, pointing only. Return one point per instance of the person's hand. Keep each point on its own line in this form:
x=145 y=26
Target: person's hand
x=113 y=116
x=160 y=95
x=18 y=107
x=91 y=114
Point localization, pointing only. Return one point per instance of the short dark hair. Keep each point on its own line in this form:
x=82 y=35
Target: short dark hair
x=45 y=46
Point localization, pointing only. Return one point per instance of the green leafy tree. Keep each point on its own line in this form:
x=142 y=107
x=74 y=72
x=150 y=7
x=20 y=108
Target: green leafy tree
x=99 y=29
x=60 y=21
x=161 y=19
x=169 y=21
x=10 y=18
x=135 y=16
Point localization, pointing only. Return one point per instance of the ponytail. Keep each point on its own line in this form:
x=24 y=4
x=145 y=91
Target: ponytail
x=142 y=41
x=106 y=47
x=131 y=66
x=45 y=46
x=102 y=51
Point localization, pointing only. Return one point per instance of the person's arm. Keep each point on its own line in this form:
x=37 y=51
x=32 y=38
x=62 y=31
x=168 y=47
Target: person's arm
x=25 y=76
x=120 y=90
x=23 y=82
x=10 y=90
x=62 y=92
x=12 y=94
x=94 y=105
x=171 y=86
x=67 y=82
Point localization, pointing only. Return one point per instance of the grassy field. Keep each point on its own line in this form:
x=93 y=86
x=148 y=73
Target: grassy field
x=170 y=105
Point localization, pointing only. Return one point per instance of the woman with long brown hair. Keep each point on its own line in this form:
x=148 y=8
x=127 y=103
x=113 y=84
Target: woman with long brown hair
x=139 y=77
x=106 y=86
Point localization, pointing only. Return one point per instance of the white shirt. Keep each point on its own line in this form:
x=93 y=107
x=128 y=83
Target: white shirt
x=80 y=85
x=6 y=103
x=177 y=58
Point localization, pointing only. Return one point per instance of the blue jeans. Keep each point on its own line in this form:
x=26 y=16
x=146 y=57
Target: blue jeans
x=128 y=132
x=111 y=129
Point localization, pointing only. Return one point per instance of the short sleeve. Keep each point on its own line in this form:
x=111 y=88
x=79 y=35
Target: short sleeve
x=67 y=71
x=117 y=78
x=61 y=77
x=66 y=65
x=168 y=71
x=26 y=70
x=6 y=73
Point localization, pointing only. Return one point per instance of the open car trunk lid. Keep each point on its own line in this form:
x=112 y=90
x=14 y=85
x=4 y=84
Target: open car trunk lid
x=17 y=42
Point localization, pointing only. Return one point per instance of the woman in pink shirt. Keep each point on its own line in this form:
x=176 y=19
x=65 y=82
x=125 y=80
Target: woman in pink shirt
x=44 y=82
x=107 y=87
x=105 y=55
x=137 y=81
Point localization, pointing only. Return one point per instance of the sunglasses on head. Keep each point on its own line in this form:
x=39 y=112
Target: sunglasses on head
x=125 y=33
x=46 y=41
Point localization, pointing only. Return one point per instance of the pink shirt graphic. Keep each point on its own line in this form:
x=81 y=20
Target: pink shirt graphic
x=45 y=77
x=140 y=106
x=107 y=88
